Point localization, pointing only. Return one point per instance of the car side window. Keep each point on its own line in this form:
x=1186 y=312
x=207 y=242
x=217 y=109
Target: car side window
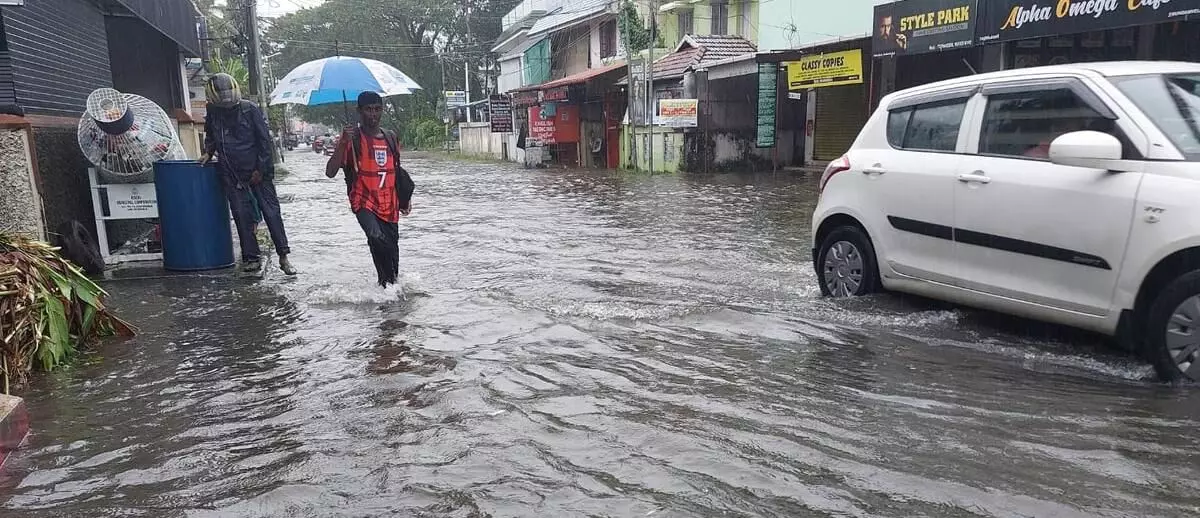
x=897 y=124
x=927 y=127
x=1022 y=124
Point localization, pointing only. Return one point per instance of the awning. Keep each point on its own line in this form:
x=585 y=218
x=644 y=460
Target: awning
x=175 y=19
x=678 y=4
x=573 y=79
x=519 y=50
x=566 y=17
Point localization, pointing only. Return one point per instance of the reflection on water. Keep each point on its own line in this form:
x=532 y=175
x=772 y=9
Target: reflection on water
x=590 y=344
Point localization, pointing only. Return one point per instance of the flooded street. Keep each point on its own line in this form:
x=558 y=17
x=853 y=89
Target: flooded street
x=573 y=343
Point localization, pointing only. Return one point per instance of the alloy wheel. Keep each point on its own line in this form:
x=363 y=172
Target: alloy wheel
x=1183 y=336
x=843 y=269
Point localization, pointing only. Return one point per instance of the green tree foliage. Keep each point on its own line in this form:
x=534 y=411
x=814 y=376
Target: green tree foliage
x=429 y=40
x=631 y=26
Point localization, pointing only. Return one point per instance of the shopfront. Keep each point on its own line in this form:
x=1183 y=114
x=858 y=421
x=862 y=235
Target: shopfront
x=917 y=42
x=1080 y=32
x=831 y=82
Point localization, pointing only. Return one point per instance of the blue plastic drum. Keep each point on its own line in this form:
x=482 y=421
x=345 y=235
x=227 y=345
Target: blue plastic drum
x=193 y=215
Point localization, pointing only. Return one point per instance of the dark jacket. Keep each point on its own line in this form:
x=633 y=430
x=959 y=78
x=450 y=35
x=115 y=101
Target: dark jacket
x=239 y=137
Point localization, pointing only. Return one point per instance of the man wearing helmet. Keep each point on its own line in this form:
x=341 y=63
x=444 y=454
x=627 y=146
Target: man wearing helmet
x=235 y=130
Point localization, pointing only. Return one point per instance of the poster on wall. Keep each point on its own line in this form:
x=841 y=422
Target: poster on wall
x=916 y=26
x=677 y=113
x=832 y=69
x=765 y=128
x=500 y=113
x=554 y=124
x=1006 y=20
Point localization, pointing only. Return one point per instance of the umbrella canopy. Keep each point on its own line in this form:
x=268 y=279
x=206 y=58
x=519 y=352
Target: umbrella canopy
x=336 y=79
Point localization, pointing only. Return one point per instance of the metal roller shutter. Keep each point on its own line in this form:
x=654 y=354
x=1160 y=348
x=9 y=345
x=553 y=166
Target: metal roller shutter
x=841 y=114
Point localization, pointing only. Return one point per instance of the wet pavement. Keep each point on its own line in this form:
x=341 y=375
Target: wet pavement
x=589 y=344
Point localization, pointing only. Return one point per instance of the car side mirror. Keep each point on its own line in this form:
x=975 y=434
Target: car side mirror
x=1091 y=149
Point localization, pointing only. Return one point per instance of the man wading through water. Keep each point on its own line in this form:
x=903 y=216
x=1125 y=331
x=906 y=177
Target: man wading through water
x=380 y=190
x=236 y=131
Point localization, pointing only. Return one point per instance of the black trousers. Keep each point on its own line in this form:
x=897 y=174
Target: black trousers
x=383 y=239
x=241 y=206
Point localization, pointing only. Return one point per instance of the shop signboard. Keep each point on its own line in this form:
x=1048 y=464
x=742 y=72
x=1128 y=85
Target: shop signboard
x=500 y=114
x=555 y=124
x=767 y=89
x=831 y=69
x=916 y=26
x=1006 y=20
x=558 y=94
x=677 y=113
x=455 y=98
x=525 y=98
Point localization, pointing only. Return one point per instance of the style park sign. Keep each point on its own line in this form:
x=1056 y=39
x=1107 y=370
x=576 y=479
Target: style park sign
x=1005 y=20
x=915 y=26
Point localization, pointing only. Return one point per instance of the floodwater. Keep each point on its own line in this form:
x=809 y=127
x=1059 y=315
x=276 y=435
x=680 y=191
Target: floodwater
x=589 y=344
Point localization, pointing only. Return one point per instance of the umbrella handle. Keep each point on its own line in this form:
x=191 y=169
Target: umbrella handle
x=345 y=108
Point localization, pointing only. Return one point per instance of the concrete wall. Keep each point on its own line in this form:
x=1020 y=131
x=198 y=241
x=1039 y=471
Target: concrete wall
x=62 y=170
x=751 y=28
x=477 y=139
x=21 y=204
x=667 y=145
x=789 y=25
x=511 y=74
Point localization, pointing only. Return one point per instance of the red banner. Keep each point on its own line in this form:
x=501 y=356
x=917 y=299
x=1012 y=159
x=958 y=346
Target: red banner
x=561 y=128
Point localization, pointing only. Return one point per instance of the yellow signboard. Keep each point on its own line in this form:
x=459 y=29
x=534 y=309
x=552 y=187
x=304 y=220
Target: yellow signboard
x=832 y=69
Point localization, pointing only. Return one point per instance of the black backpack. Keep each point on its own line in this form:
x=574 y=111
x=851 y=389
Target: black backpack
x=404 y=182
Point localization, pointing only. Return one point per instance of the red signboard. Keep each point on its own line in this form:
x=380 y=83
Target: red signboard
x=561 y=93
x=561 y=128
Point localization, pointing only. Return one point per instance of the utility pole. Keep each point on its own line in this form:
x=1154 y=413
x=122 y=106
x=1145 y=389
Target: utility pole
x=467 y=62
x=651 y=104
x=632 y=81
x=256 y=72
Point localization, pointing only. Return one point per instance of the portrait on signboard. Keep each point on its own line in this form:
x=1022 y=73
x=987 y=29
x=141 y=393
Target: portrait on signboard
x=886 y=35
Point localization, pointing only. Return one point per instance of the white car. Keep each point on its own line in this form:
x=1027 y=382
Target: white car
x=1069 y=194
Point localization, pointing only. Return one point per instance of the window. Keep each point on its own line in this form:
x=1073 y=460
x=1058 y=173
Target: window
x=1022 y=124
x=897 y=124
x=608 y=39
x=685 y=23
x=720 y=17
x=745 y=18
x=927 y=127
x=1173 y=103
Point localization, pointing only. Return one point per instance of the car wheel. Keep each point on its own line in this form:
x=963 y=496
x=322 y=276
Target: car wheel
x=846 y=264
x=1173 y=330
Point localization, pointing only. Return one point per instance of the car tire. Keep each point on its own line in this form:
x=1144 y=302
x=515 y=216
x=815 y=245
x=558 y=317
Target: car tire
x=846 y=265
x=1173 y=330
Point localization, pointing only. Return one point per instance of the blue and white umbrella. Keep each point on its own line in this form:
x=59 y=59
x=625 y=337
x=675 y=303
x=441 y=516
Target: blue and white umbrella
x=337 y=79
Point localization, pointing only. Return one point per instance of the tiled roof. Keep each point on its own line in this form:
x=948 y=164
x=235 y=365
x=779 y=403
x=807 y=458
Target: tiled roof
x=717 y=48
x=697 y=52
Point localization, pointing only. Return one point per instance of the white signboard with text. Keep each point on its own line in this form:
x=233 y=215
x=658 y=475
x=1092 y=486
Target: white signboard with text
x=132 y=200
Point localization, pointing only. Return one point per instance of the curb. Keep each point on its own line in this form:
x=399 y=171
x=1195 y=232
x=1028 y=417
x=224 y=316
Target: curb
x=14 y=425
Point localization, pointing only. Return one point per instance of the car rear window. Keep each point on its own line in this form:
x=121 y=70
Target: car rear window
x=926 y=127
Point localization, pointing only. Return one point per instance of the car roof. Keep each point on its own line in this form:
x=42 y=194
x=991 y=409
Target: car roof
x=1103 y=68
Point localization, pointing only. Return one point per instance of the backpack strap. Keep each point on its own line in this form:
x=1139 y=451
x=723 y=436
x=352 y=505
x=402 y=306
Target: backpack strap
x=404 y=182
x=352 y=161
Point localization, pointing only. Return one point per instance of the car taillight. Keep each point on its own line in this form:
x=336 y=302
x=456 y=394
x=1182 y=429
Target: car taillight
x=841 y=164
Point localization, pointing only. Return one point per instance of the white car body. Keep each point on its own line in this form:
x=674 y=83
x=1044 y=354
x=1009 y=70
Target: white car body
x=1052 y=242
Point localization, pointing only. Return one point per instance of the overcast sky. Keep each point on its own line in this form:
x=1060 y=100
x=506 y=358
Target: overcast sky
x=281 y=7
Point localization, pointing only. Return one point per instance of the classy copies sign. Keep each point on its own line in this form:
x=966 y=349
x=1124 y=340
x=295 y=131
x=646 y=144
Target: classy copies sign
x=916 y=26
x=1004 y=20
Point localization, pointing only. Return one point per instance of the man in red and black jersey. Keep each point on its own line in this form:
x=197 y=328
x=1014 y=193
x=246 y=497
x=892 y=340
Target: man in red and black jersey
x=380 y=190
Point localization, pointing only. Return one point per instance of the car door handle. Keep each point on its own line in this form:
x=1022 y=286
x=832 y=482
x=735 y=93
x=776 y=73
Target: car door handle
x=875 y=169
x=976 y=177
